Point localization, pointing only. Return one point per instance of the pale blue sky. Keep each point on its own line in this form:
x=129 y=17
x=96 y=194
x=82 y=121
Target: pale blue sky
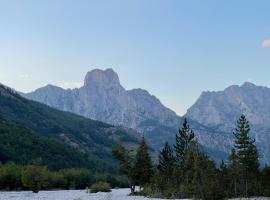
x=174 y=49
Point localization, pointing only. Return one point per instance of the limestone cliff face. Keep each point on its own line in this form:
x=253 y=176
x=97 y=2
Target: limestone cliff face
x=224 y=107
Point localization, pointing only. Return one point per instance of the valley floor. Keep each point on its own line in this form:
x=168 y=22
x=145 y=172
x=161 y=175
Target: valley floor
x=116 y=194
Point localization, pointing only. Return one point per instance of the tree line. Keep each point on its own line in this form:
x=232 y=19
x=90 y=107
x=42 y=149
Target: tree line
x=37 y=177
x=185 y=171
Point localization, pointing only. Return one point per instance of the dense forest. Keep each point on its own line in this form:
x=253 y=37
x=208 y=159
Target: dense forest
x=24 y=146
x=185 y=171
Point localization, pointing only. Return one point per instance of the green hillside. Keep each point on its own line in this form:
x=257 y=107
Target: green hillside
x=73 y=140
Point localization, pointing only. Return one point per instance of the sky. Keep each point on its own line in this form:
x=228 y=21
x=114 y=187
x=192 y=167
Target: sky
x=173 y=49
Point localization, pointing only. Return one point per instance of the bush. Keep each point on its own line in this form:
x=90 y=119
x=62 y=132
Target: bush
x=100 y=187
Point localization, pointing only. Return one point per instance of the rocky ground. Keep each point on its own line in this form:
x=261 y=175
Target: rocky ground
x=116 y=194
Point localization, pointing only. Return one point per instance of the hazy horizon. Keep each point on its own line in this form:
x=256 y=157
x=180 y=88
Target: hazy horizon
x=173 y=49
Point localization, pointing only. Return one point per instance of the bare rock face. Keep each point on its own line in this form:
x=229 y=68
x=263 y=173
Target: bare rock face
x=216 y=108
x=220 y=110
x=103 y=98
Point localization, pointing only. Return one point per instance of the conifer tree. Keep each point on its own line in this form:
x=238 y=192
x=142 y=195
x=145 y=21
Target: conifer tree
x=265 y=181
x=234 y=170
x=127 y=162
x=246 y=151
x=166 y=160
x=224 y=177
x=184 y=138
x=143 y=168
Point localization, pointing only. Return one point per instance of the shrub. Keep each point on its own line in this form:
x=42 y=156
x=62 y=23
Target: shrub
x=100 y=187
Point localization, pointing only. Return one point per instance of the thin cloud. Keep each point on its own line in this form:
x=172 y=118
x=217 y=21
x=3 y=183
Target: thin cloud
x=25 y=76
x=266 y=43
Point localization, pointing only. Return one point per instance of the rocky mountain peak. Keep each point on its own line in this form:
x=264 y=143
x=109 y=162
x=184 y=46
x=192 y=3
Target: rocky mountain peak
x=248 y=85
x=101 y=77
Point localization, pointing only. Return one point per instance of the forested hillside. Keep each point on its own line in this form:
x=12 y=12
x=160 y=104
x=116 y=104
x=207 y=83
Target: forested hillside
x=44 y=133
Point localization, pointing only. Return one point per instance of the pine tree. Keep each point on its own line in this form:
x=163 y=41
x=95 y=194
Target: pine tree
x=246 y=151
x=224 y=177
x=184 y=138
x=265 y=182
x=166 y=160
x=143 y=168
x=127 y=162
x=234 y=170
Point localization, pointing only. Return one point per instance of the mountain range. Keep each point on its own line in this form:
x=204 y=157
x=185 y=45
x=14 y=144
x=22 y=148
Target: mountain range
x=213 y=116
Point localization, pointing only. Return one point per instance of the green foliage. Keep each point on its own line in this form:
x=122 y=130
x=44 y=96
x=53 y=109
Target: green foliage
x=138 y=169
x=265 y=179
x=10 y=176
x=100 y=187
x=184 y=138
x=77 y=178
x=166 y=160
x=25 y=147
x=127 y=162
x=143 y=164
x=247 y=158
x=35 y=178
x=246 y=150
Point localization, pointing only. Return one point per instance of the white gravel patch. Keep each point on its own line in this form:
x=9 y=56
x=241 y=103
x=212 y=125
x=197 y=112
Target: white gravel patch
x=116 y=194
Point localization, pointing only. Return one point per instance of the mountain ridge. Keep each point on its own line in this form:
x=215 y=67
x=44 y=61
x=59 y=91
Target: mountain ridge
x=221 y=109
x=103 y=98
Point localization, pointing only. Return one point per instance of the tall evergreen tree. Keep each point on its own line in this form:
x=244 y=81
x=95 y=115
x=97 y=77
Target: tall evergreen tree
x=143 y=168
x=246 y=151
x=184 y=138
x=234 y=171
x=127 y=162
x=265 y=181
x=166 y=160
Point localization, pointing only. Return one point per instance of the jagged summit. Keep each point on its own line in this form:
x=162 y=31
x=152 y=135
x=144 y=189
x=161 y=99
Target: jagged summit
x=104 y=77
x=248 y=84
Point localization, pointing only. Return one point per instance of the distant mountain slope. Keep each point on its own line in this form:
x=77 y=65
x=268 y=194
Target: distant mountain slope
x=215 y=108
x=220 y=110
x=87 y=136
x=103 y=98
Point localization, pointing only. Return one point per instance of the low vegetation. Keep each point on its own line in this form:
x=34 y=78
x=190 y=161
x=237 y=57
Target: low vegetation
x=100 y=187
x=37 y=177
